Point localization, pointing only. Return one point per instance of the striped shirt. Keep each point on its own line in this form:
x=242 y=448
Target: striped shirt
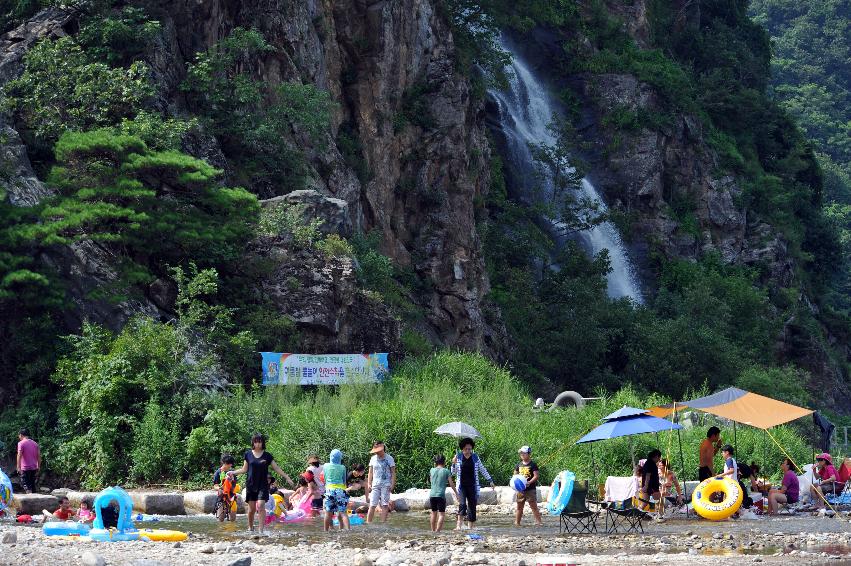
x=478 y=469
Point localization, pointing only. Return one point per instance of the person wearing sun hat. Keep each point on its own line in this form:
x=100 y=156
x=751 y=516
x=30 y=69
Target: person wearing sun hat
x=829 y=483
x=529 y=470
x=381 y=480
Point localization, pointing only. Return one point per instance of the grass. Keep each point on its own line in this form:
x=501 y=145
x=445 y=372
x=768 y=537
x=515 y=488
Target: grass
x=426 y=392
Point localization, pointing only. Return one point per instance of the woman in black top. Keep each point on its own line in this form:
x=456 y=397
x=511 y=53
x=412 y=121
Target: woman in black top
x=650 y=485
x=257 y=463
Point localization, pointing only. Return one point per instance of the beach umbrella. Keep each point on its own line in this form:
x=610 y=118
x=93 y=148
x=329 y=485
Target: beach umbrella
x=625 y=412
x=626 y=421
x=627 y=426
x=458 y=430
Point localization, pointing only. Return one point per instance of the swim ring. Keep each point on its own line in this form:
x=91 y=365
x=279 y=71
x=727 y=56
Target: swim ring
x=64 y=528
x=560 y=492
x=113 y=535
x=162 y=535
x=704 y=498
x=354 y=520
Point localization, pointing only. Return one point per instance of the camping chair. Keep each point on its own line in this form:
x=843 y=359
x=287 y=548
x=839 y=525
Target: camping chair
x=625 y=514
x=576 y=517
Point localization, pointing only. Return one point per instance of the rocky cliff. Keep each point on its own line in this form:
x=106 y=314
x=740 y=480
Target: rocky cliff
x=422 y=176
x=418 y=166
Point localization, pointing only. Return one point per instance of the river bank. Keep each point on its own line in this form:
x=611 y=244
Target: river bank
x=405 y=539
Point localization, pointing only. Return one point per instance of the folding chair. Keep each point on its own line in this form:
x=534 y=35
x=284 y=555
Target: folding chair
x=625 y=514
x=576 y=517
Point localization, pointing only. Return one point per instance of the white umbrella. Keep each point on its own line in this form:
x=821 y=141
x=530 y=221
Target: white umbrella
x=458 y=430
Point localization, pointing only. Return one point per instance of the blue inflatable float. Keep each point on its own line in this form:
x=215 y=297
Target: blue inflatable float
x=6 y=492
x=65 y=528
x=125 y=530
x=560 y=492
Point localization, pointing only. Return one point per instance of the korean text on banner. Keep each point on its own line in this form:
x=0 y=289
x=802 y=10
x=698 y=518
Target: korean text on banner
x=326 y=369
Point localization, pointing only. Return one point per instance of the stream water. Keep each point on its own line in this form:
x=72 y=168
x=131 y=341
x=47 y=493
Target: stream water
x=525 y=113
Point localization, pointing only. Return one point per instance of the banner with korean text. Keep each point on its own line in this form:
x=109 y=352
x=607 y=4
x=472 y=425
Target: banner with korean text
x=323 y=369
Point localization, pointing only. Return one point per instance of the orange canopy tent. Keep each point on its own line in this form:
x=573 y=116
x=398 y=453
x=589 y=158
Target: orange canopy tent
x=740 y=406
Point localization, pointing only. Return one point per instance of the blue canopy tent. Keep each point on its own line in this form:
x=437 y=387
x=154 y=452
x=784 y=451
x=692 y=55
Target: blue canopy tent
x=626 y=421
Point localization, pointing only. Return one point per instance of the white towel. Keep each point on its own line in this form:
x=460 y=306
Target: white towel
x=621 y=489
x=804 y=483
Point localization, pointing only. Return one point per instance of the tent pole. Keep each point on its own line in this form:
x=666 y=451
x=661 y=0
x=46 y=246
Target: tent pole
x=683 y=470
x=764 y=456
x=593 y=463
x=735 y=439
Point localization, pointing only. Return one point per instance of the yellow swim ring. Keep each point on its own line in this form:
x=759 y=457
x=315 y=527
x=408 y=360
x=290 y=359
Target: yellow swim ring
x=280 y=504
x=162 y=535
x=716 y=499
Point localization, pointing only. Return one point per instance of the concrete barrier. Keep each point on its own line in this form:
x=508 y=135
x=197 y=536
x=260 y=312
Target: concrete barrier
x=205 y=501
x=158 y=503
x=33 y=503
x=75 y=497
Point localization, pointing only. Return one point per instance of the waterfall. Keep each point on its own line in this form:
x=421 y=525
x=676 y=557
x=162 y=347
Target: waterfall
x=525 y=112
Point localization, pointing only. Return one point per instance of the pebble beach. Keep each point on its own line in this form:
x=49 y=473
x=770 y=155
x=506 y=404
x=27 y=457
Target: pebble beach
x=813 y=539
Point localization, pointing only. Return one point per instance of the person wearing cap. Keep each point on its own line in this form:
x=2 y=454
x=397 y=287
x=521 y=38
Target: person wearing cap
x=380 y=482
x=302 y=497
x=529 y=470
x=829 y=483
x=336 y=492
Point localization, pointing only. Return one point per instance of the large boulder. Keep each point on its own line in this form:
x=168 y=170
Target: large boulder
x=322 y=297
x=33 y=503
x=158 y=503
x=333 y=213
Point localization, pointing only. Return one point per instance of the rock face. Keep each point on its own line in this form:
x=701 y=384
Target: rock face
x=418 y=163
x=423 y=147
x=672 y=181
x=322 y=298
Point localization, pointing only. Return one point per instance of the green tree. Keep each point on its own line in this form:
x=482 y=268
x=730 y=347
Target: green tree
x=256 y=125
x=113 y=189
x=107 y=384
x=62 y=88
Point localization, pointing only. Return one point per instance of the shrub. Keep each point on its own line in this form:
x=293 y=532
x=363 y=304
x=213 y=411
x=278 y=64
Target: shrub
x=288 y=220
x=62 y=89
x=118 y=39
x=107 y=383
x=335 y=246
x=255 y=133
x=157 y=450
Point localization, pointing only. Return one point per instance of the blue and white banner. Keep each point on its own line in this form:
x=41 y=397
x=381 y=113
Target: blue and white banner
x=323 y=369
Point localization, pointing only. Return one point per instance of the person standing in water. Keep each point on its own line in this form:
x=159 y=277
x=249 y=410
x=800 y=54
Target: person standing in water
x=336 y=496
x=381 y=480
x=466 y=467
x=257 y=463
x=529 y=470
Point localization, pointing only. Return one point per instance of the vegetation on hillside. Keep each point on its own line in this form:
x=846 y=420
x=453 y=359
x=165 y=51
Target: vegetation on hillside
x=708 y=323
x=132 y=410
x=811 y=78
x=134 y=404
